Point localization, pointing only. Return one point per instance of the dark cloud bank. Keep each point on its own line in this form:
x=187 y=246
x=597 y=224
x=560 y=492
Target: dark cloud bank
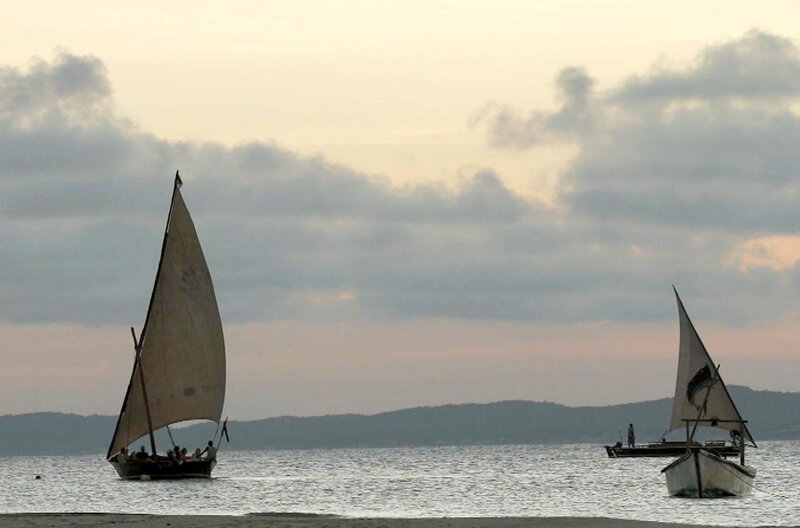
x=675 y=168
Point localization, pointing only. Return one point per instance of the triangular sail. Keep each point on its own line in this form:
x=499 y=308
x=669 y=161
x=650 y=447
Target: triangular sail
x=699 y=389
x=182 y=347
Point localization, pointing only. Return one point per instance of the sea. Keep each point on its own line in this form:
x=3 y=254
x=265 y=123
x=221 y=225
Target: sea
x=482 y=481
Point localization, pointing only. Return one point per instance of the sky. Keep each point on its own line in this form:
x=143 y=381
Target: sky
x=417 y=204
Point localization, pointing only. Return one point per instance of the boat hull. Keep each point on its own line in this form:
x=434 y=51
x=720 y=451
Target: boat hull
x=700 y=473
x=666 y=449
x=149 y=470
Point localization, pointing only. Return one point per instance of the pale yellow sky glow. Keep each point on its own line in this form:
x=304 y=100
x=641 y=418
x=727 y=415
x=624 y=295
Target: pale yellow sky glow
x=391 y=91
x=386 y=88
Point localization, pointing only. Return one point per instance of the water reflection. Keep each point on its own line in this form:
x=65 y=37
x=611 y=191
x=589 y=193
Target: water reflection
x=570 y=480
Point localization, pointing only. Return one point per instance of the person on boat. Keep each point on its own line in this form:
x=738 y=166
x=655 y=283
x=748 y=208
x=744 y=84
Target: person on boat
x=631 y=436
x=197 y=454
x=184 y=457
x=171 y=456
x=734 y=436
x=141 y=454
x=122 y=456
x=210 y=451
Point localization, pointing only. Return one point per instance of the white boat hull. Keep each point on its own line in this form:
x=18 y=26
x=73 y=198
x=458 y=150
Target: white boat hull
x=702 y=474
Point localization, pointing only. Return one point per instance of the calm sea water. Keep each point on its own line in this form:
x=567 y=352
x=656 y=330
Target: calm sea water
x=566 y=480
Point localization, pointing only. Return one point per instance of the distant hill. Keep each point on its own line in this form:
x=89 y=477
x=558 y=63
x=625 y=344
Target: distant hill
x=772 y=415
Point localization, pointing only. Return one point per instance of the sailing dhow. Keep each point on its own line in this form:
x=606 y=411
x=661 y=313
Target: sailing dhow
x=179 y=367
x=701 y=398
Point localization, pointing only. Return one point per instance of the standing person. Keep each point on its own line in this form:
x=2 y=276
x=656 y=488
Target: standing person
x=631 y=436
x=210 y=451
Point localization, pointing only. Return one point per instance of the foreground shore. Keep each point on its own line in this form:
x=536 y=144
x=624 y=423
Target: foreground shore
x=93 y=520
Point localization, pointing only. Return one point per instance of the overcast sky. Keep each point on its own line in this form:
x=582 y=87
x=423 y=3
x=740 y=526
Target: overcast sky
x=403 y=205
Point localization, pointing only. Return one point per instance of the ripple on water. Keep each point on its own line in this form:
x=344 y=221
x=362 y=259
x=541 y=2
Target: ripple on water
x=567 y=480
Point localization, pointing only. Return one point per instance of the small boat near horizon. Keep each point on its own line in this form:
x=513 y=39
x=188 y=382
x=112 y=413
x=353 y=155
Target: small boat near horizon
x=669 y=448
x=701 y=398
x=179 y=365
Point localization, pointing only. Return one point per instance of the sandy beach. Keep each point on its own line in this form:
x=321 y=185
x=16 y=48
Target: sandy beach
x=32 y=520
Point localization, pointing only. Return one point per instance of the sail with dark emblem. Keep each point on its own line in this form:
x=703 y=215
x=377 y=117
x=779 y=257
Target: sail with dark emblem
x=700 y=392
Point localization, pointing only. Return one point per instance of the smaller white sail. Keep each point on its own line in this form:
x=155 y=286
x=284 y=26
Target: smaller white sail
x=699 y=389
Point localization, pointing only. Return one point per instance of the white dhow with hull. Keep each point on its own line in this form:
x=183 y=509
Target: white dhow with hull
x=701 y=473
x=701 y=398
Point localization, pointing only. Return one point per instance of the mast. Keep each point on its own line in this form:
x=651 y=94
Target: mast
x=138 y=345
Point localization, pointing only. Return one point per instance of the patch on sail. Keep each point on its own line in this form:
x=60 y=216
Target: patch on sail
x=188 y=391
x=195 y=283
x=701 y=380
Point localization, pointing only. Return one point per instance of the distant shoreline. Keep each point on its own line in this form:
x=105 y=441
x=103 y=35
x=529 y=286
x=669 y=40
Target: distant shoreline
x=773 y=415
x=303 y=520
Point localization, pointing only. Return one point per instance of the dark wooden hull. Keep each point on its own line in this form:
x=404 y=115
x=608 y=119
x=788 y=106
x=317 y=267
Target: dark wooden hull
x=667 y=449
x=149 y=470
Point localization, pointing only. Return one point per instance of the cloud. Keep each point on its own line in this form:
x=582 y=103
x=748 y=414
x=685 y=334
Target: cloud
x=689 y=163
x=83 y=197
x=710 y=145
x=72 y=86
x=657 y=195
x=507 y=128
x=758 y=66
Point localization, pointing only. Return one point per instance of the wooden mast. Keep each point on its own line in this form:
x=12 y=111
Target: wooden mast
x=741 y=442
x=138 y=347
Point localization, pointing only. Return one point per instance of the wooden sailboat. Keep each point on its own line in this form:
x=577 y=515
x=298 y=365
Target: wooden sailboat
x=670 y=448
x=701 y=398
x=179 y=367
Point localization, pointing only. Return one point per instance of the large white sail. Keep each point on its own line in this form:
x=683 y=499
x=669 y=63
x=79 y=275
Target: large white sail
x=182 y=354
x=699 y=390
